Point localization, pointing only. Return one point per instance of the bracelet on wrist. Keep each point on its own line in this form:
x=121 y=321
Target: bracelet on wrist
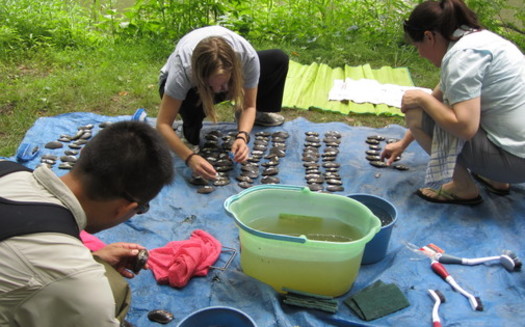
x=238 y=137
x=247 y=139
x=187 y=161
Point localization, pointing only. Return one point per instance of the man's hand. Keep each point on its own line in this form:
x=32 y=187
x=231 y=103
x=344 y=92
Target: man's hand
x=120 y=256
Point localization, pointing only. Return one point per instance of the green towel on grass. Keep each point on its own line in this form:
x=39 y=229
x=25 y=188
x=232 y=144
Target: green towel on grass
x=307 y=87
x=377 y=300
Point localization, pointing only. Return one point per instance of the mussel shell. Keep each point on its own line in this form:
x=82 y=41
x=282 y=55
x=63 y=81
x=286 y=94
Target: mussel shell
x=329 y=139
x=244 y=178
x=211 y=137
x=278 y=151
x=312 y=144
x=221 y=182
x=215 y=133
x=378 y=164
x=376 y=137
x=260 y=147
x=87 y=127
x=313 y=139
x=373 y=158
x=279 y=140
x=75 y=146
x=50 y=157
x=68 y=159
x=252 y=174
x=281 y=134
x=335 y=134
x=310 y=158
x=331 y=175
x=372 y=141
x=65 y=165
x=310 y=176
x=53 y=145
x=334 y=181
x=335 y=188
x=400 y=167
x=245 y=184
x=315 y=187
x=199 y=181
x=309 y=133
x=331 y=165
x=270 y=180
x=224 y=168
x=330 y=152
x=160 y=316
x=329 y=158
x=314 y=171
x=64 y=139
x=270 y=163
x=270 y=171
x=70 y=152
x=206 y=189
x=263 y=133
x=308 y=164
x=315 y=180
x=48 y=161
x=140 y=260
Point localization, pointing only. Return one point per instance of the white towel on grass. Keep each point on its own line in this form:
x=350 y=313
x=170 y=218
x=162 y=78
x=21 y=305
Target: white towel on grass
x=369 y=91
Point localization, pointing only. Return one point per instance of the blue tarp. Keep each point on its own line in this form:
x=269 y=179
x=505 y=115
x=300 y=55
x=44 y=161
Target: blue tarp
x=485 y=230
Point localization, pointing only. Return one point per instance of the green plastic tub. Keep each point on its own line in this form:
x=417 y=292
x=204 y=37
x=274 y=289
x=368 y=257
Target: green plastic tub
x=294 y=238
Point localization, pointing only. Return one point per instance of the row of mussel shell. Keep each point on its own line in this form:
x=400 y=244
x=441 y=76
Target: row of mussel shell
x=265 y=155
x=216 y=150
x=373 y=154
x=267 y=152
x=322 y=168
x=74 y=143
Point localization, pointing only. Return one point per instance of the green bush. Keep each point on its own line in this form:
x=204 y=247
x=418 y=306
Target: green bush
x=30 y=24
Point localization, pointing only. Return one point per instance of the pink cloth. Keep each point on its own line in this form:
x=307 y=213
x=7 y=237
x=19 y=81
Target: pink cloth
x=178 y=261
x=91 y=241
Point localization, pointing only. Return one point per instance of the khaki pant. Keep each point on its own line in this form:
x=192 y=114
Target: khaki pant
x=120 y=289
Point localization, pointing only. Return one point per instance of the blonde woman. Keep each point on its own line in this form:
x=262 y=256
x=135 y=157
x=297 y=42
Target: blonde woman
x=210 y=65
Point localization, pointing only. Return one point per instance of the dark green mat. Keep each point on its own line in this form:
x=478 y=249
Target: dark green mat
x=307 y=87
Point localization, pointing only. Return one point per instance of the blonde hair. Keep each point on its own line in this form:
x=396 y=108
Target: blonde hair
x=215 y=55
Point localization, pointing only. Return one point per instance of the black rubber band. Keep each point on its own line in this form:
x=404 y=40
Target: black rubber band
x=187 y=161
x=245 y=133
x=238 y=137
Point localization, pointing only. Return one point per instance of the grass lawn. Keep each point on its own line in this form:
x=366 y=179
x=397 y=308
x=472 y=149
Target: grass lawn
x=117 y=79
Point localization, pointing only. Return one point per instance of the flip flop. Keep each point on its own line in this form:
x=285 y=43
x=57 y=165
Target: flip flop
x=489 y=187
x=447 y=197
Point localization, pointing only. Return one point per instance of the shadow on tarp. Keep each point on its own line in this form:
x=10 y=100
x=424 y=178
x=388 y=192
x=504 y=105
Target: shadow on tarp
x=485 y=230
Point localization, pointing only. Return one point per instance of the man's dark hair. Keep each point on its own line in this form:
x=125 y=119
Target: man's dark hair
x=125 y=159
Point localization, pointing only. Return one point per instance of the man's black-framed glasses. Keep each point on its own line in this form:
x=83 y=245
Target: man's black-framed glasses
x=141 y=208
